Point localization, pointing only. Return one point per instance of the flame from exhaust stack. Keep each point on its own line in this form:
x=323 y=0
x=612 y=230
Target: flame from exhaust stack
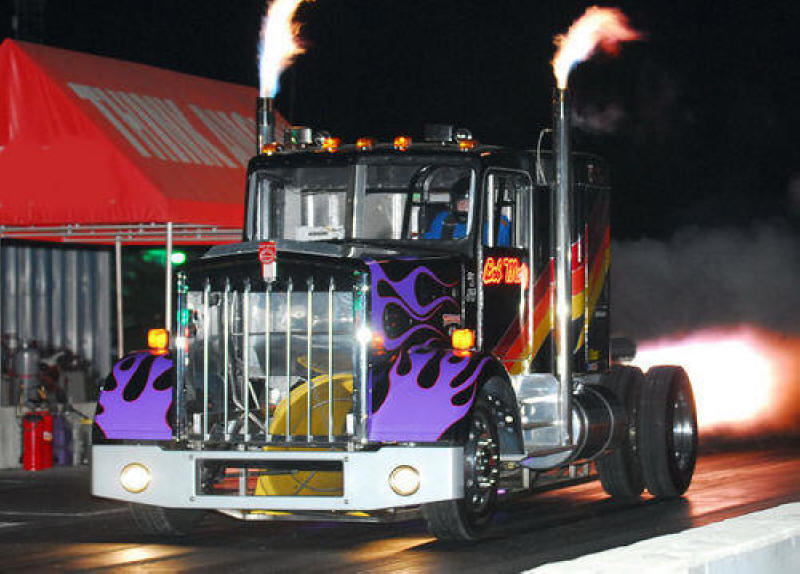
x=603 y=28
x=745 y=380
x=277 y=46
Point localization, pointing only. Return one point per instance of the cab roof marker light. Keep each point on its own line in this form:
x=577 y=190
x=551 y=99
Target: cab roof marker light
x=402 y=143
x=365 y=143
x=271 y=148
x=467 y=145
x=320 y=136
x=331 y=144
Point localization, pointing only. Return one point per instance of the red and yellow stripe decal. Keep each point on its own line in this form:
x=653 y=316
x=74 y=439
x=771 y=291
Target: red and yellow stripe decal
x=517 y=345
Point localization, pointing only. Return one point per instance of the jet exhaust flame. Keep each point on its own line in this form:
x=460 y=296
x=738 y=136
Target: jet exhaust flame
x=603 y=28
x=745 y=380
x=277 y=46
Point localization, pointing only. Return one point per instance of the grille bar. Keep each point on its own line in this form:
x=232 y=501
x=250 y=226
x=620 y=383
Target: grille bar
x=267 y=355
x=226 y=336
x=331 y=288
x=246 y=360
x=288 y=361
x=309 y=353
x=206 y=294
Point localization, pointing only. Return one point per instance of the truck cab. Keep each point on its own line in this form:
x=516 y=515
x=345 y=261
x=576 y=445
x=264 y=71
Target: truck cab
x=381 y=344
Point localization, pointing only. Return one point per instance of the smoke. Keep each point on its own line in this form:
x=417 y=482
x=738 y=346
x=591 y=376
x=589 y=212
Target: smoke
x=596 y=120
x=692 y=299
x=707 y=278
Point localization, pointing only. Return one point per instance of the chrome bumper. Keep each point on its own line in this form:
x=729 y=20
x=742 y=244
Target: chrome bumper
x=174 y=481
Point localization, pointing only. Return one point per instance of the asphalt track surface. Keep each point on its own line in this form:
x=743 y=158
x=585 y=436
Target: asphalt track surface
x=48 y=522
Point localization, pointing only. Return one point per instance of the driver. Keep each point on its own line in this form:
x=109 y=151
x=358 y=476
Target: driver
x=452 y=223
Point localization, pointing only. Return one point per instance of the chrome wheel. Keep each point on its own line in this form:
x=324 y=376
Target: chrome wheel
x=683 y=431
x=481 y=465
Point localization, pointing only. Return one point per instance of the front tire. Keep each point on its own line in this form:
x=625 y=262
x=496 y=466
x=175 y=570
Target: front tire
x=620 y=470
x=469 y=517
x=158 y=521
x=668 y=436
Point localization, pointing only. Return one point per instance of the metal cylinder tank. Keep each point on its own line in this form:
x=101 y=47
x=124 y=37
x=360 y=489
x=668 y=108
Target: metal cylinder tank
x=25 y=365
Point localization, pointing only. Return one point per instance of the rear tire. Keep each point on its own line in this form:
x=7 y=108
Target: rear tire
x=620 y=470
x=668 y=435
x=158 y=521
x=469 y=517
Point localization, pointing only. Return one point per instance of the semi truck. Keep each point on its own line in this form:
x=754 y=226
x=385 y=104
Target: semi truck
x=410 y=327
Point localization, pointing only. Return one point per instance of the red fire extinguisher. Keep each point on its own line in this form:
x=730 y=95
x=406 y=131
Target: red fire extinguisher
x=37 y=432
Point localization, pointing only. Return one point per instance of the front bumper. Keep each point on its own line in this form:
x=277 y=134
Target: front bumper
x=175 y=482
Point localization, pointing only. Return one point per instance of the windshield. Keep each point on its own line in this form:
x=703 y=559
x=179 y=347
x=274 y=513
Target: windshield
x=417 y=201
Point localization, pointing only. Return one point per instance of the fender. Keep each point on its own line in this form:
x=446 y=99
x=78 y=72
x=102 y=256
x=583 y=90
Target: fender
x=136 y=399
x=429 y=391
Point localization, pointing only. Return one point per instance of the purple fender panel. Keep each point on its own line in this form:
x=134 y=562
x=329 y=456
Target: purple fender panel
x=136 y=398
x=420 y=388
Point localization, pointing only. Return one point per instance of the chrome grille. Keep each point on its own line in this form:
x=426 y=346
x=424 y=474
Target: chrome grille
x=268 y=365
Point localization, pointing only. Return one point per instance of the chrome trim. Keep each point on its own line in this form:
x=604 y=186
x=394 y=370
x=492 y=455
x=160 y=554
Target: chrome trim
x=563 y=262
x=361 y=365
x=309 y=338
x=289 y=289
x=331 y=288
x=246 y=359
x=267 y=355
x=180 y=356
x=531 y=275
x=365 y=481
x=206 y=338
x=226 y=301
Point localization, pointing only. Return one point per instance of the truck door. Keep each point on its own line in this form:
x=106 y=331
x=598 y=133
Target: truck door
x=504 y=267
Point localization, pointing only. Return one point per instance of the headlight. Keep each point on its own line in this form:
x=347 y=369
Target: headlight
x=404 y=480
x=135 y=477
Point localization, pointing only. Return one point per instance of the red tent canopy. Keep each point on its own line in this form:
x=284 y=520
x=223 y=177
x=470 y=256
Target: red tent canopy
x=89 y=140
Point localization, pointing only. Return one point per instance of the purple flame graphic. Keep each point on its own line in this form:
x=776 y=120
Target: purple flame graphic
x=145 y=417
x=408 y=301
x=413 y=413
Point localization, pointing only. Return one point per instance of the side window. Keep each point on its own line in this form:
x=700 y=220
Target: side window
x=507 y=209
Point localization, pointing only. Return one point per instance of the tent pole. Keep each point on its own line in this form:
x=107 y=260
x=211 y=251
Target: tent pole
x=168 y=294
x=118 y=265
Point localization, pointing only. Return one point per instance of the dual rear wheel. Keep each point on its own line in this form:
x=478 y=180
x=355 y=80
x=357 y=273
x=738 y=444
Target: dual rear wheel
x=659 y=447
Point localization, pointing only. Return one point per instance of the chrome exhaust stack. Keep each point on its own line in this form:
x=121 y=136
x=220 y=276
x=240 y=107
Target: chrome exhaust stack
x=265 y=122
x=563 y=259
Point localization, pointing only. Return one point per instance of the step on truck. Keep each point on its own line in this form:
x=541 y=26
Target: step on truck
x=406 y=328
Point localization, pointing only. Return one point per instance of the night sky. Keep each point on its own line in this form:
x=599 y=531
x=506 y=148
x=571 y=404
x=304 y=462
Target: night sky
x=699 y=121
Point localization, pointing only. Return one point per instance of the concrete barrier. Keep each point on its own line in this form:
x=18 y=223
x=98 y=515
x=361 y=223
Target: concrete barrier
x=767 y=541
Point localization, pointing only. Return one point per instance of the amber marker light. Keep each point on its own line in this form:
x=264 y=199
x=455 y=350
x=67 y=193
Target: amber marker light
x=271 y=148
x=158 y=341
x=331 y=145
x=365 y=144
x=463 y=339
x=402 y=143
x=467 y=145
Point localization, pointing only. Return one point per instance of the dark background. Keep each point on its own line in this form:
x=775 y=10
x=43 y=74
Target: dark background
x=698 y=121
